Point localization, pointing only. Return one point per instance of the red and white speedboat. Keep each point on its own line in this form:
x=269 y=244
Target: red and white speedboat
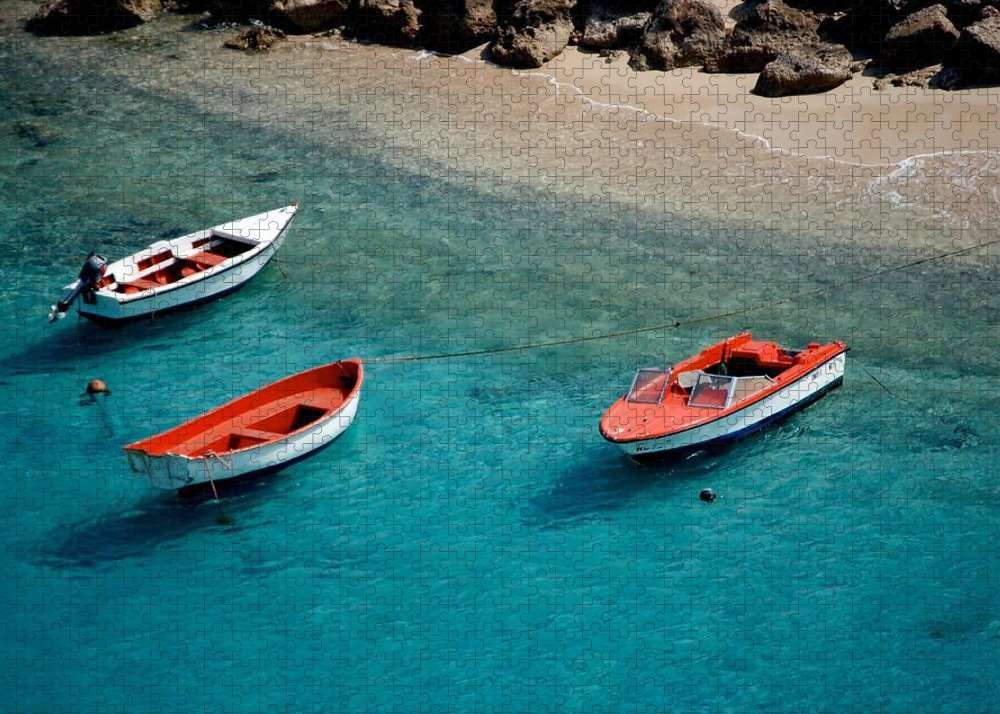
x=261 y=431
x=721 y=394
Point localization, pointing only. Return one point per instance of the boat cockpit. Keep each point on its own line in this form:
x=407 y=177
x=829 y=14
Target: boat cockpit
x=164 y=266
x=740 y=373
x=720 y=391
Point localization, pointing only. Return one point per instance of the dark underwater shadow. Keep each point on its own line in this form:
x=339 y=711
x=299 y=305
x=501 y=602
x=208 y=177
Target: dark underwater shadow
x=156 y=520
x=611 y=482
x=164 y=517
x=58 y=350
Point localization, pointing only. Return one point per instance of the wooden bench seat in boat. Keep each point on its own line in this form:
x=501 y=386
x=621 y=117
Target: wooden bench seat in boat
x=207 y=259
x=180 y=269
x=267 y=422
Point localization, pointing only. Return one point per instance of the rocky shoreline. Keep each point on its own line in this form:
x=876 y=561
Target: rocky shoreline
x=796 y=46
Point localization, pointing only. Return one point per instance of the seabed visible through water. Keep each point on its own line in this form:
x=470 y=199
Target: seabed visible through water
x=471 y=543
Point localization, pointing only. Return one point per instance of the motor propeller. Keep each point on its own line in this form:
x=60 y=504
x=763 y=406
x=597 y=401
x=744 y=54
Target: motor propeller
x=91 y=273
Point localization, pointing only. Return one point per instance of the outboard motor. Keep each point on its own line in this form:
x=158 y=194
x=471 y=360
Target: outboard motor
x=91 y=273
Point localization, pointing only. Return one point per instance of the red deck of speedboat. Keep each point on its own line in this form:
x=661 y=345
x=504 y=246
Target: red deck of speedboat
x=721 y=394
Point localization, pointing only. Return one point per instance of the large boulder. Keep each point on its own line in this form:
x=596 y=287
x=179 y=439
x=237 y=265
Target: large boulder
x=681 y=33
x=924 y=38
x=531 y=32
x=606 y=24
x=766 y=31
x=391 y=21
x=775 y=18
x=864 y=25
x=456 y=25
x=86 y=17
x=309 y=15
x=977 y=55
x=805 y=71
x=960 y=12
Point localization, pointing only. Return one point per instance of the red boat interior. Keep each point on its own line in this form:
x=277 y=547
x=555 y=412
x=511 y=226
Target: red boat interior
x=712 y=383
x=268 y=414
x=215 y=250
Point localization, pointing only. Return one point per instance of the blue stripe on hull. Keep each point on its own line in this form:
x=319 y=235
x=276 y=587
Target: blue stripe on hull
x=654 y=456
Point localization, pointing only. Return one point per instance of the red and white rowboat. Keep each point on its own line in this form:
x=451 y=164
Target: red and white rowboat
x=267 y=429
x=722 y=394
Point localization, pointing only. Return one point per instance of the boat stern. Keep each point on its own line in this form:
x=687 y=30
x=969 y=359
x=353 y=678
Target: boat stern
x=103 y=306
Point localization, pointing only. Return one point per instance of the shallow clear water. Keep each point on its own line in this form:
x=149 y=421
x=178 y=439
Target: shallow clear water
x=471 y=544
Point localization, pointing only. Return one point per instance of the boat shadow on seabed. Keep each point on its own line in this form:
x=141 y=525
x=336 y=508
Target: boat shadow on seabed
x=60 y=349
x=609 y=482
x=158 y=519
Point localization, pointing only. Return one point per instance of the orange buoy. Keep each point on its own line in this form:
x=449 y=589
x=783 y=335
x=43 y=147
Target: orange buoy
x=98 y=386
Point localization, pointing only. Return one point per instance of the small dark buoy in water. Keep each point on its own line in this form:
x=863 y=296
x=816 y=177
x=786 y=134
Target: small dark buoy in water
x=707 y=495
x=98 y=386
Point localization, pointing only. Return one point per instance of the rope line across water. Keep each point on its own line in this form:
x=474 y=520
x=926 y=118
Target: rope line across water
x=674 y=324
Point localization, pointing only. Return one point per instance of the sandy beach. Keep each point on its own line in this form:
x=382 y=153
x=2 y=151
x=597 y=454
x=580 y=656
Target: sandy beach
x=906 y=166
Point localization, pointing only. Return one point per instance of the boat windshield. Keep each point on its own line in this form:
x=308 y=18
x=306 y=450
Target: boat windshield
x=711 y=390
x=648 y=385
x=719 y=391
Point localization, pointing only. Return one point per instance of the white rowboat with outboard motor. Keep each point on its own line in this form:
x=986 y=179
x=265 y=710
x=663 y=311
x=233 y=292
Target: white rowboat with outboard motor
x=179 y=272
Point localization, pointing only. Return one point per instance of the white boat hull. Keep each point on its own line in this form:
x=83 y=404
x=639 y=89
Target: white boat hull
x=172 y=471
x=743 y=422
x=270 y=229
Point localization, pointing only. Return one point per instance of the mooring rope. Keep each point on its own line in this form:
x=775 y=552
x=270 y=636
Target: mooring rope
x=675 y=324
x=222 y=518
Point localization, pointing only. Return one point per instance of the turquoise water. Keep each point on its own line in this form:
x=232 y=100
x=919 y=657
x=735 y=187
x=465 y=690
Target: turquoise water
x=471 y=544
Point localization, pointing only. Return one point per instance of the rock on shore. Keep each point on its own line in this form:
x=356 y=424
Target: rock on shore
x=255 y=39
x=680 y=33
x=805 y=71
x=87 y=17
x=920 y=39
x=392 y=21
x=531 y=32
x=798 y=46
x=978 y=52
x=309 y=15
x=607 y=25
x=457 y=25
x=766 y=31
